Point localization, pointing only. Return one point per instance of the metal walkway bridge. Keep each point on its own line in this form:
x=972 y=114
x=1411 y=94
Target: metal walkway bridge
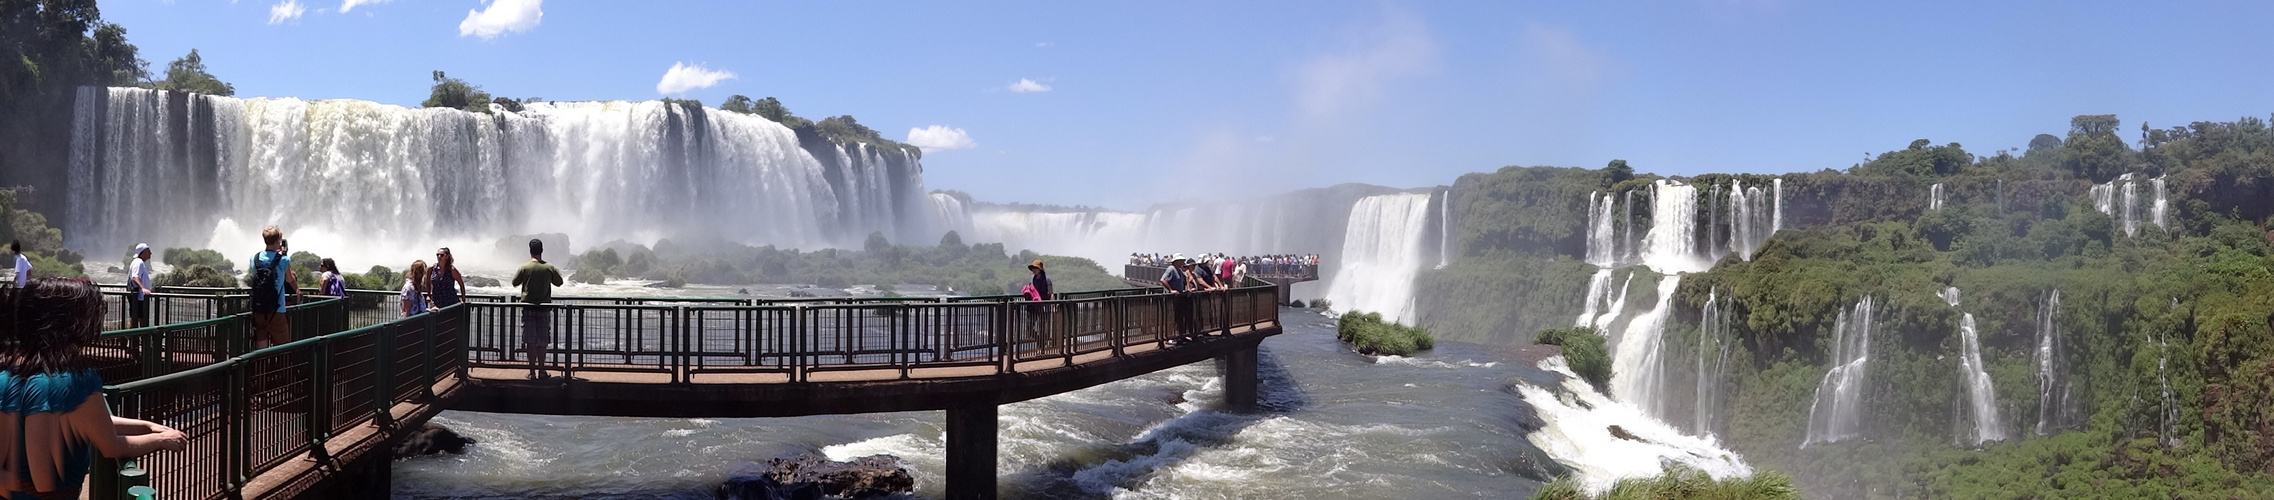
x=318 y=416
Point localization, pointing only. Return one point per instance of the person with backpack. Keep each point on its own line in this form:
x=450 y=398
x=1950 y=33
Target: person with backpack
x=329 y=278
x=444 y=283
x=1180 y=284
x=270 y=275
x=1039 y=289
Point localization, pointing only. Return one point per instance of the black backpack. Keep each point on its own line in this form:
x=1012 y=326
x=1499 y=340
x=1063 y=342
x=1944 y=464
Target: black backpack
x=263 y=280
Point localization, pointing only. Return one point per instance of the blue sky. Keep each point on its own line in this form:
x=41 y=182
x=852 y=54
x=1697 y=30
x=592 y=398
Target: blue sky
x=1159 y=101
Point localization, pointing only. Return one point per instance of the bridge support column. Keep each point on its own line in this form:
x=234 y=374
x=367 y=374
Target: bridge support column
x=971 y=432
x=1239 y=380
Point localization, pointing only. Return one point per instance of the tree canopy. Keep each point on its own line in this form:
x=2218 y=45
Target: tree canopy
x=457 y=94
x=188 y=75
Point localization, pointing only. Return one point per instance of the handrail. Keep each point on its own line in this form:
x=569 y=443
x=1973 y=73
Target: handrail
x=247 y=413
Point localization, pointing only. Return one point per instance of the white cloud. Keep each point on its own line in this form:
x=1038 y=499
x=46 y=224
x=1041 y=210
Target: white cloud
x=1026 y=85
x=287 y=11
x=502 y=16
x=940 y=138
x=683 y=77
x=349 y=5
x=1044 y=45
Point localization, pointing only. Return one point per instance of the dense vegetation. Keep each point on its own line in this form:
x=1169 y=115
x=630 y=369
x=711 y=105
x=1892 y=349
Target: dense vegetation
x=2184 y=307
x=984 y=269
x=1583 y=349
x=47 y=50
x=1368 y=334
x=1679 y=483
x=42 y=244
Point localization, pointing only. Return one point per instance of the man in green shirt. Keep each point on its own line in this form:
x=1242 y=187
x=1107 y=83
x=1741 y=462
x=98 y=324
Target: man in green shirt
x=536 y=280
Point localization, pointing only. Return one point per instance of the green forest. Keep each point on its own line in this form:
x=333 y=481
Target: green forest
x=2186 y=310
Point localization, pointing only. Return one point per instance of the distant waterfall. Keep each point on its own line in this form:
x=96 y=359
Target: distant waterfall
x=952 y=213
x=1753 y=217
x=1981 y=398
x=2159 y=212
x=1637 y=374
x=1598 y=297
x=1934 y=196
x=1671 y=246
x=1837 y=413
x=1381 y=253
x=358 y=177
x=1613 y=300
x=1602 y=247
x=1445 y=229
x=2054 y=408
x=1714 y=328
x=2121 y=200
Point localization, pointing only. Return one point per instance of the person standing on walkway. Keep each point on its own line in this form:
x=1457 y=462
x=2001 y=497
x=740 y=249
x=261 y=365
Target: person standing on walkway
x=443 y=282
x=328 y=278
x=1039 y=315
x=1179 y=284
x=414 y=290
x=23 y=264
x=536 y=280
x=138 y=284
x=52 y=402
x=270 y=279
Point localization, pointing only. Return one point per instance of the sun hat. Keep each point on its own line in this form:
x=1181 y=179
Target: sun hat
x=141 y=247
x=1176 y=258
x=1036 y=265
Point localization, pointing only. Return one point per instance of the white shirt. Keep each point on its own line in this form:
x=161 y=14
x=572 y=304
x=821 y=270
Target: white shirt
x=140 y=269
x=23 y=270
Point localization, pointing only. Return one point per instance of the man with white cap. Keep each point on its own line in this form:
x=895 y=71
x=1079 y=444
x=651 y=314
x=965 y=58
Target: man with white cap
x=23 y=263
x=138 y=281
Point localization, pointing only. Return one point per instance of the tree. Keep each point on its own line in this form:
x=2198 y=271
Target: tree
x=772 y=109
x=876 y=242
x=2043 y=142
x=457 y=94
x=2093 y=151
x=1619 y=171
x=188 y=75
x=737 y=103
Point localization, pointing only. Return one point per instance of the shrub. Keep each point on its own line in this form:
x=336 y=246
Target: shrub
x=1679 y=483
x=185 y=257
x=199 y=275
x=1583 y=349
x=1367 y=333
x=1320 y=303
x=589 y=276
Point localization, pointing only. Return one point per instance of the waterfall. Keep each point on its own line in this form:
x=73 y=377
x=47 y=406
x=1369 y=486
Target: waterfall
x=2161 y=209
x=951 y=212
x=1671 y=246
x=358 y=178
x=2052 y=381
x=1445 y=230
x=2170 y=406
x=1602 y=249
x=1614 y=307
x=1598 y=293
x=1934 y=196
x=1753 y=219
x=1776 y=223
x=1714 y=326
x=1837 y=411
x=1950 y=296
x=1636 y=371
x=1381 y=253
x=1981 y=398
x=2104 y=197
x=2131 y=206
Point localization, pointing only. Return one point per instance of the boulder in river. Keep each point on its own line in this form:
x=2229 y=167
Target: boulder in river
x=812 y=478
x=431 y=439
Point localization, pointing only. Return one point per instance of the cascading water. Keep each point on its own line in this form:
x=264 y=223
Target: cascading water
x=1445 y=230
x=1671 y=246
x=1934 y=196
x=1981 y=398
x=1381 y=253
x=1602 y=248
x=2158 y=212
x=1714 y=325
x=1612 y=309
x=1837 y=412
x=2131 y=206
x=2053 y=405
x=1753 y=218
x=384 y=179
x=1637 y=375
x=1598 y=293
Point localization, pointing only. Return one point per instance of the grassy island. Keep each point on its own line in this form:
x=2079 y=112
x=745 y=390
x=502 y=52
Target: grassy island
x=1367 y=333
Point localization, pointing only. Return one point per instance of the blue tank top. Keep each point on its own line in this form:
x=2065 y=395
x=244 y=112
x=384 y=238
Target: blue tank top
x=442 y=286
x=21 y=397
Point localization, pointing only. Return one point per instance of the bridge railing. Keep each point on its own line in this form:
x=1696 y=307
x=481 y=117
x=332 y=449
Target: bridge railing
x=1153 y=274
x=139 y=353
x=250 y=414
x=793 y=341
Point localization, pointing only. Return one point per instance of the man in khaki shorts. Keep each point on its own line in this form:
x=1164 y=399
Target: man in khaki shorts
x=268 y=278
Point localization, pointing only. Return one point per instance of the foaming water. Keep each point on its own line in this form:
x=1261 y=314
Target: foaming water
x=1333 y=424
x=1578 y=434
x=1382 y=253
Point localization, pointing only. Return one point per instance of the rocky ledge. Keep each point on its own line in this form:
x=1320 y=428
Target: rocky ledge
x=814 y=478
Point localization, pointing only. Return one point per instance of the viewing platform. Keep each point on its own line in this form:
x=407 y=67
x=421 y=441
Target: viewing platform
x=1150 y=277
x=320 y=415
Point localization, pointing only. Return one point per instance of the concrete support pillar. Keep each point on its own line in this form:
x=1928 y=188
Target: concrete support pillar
x=971 y=436
x=1239 y=380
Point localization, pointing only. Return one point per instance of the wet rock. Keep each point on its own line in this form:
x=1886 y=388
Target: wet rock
x=114 y=270
x=431 y=439
x=813 y=478
x=1623 y=434
x=1295 y=304
x=802 y=294
x=483 y=281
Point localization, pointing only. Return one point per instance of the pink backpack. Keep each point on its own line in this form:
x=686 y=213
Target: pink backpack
x=1031 y=293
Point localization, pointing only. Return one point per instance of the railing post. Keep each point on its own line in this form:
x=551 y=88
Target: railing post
x=384 y=358
x=320 y=403
x=426 y=326
x=238 y=424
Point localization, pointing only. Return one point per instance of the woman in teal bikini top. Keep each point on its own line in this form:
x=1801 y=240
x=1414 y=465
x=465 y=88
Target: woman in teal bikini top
x=52 y=415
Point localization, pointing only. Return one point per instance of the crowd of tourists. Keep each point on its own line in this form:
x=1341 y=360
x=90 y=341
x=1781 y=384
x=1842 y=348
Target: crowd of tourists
x=1230 y=266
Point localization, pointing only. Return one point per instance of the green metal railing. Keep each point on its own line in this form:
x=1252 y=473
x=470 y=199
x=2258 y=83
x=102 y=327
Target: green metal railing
x=249 y=414
x=139 y=353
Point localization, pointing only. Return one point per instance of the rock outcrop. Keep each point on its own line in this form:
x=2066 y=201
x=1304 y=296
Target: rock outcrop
x=813 y=478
